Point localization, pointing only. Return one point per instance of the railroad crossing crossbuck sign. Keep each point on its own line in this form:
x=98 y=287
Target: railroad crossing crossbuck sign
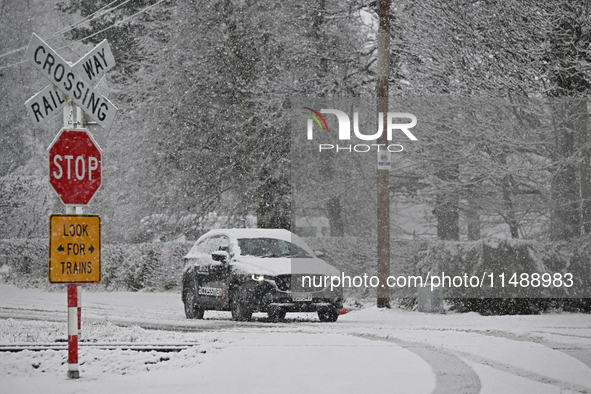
x=74 y=83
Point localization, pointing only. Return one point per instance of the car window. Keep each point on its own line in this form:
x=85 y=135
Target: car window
x=199 y=248
x=211 y=244
x=270 y=247
x=220 y=242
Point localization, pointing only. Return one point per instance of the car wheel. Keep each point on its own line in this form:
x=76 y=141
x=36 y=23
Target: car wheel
x=328 y=315
x=189 y=306
x=192 y=311
x=239 y=309
x=277 y=315
x=199 y=312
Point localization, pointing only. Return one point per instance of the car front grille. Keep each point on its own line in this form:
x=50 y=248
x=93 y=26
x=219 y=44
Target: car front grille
x=283 y=282
x=296 y=283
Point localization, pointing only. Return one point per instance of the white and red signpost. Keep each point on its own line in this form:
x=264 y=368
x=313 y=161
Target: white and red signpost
x=75 y=167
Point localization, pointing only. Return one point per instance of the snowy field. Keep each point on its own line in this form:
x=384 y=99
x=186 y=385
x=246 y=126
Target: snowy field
x=367 y=350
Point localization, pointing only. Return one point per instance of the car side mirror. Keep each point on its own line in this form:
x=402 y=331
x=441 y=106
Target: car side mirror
x=319 y=253
x=221 y=256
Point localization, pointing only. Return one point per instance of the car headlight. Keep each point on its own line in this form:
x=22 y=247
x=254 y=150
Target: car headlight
x=261 y=278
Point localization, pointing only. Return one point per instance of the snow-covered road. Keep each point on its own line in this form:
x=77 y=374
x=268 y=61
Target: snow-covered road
x=366 y=350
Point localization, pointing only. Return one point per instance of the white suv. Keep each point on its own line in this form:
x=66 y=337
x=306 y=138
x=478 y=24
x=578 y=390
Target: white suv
x=257 y=270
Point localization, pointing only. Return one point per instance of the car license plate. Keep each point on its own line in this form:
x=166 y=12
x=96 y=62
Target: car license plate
x=301 y=297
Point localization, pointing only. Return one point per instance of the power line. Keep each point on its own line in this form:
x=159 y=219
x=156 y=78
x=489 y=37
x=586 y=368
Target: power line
x=92 y=16
x=71 y=27
x=115 y=24
x=89 y=36
x=89 y=18
x=13 y=64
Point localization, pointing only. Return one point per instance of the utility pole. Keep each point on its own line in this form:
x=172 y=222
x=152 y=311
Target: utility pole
x=383 y=213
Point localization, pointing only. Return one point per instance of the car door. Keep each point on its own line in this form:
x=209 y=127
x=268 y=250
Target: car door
x=201 y=261
x=213 y=275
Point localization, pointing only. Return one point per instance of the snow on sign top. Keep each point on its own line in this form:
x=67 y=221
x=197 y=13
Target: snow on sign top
x=75 y=82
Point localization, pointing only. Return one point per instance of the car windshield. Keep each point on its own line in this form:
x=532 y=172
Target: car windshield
x=270 y=247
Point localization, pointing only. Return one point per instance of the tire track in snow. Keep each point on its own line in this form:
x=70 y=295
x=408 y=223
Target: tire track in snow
x=180 y=325
x=452 y=375
x=524 y=373
x=581 y=353
x=442 y=365
x=567 y=335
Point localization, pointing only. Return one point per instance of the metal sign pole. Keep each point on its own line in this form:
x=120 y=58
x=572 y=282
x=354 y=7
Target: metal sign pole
x=81 y=118
x=73 y=372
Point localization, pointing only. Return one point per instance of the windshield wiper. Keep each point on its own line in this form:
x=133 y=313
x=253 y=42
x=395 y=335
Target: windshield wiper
x=285 y=255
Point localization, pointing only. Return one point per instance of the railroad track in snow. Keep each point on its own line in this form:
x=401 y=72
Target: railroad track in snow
x=58 y=346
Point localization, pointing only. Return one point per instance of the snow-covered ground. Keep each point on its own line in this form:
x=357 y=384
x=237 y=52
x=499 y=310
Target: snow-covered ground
x=367 y=350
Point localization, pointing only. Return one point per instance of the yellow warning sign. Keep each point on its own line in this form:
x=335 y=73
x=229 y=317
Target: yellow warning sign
x=74 y=248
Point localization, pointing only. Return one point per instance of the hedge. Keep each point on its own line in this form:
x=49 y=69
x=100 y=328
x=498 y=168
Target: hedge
x=356 y=256
x=126 y=267
x=511 y=258
x=158 y=267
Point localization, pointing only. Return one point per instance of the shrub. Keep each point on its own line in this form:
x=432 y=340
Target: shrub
x=126 y=267
x=508 y=257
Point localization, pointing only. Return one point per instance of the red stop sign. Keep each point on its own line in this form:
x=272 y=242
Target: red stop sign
x=74 y=166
